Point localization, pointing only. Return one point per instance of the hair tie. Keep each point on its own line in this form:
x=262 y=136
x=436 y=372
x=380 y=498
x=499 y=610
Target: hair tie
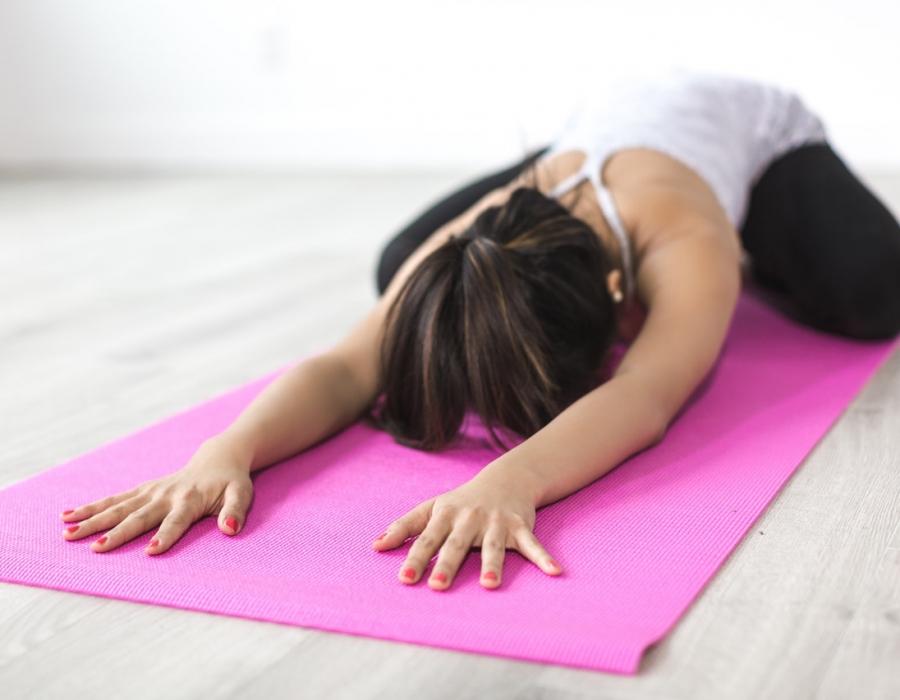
x=465 y=239
x=484 y=240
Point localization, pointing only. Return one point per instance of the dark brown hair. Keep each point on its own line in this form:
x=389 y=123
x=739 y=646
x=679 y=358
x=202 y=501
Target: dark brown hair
x=511 y=318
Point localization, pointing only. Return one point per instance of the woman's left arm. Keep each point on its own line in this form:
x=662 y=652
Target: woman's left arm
x=693 y=284
x=693 y=288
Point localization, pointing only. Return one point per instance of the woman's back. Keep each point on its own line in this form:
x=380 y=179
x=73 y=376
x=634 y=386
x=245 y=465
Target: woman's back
x=726 y=129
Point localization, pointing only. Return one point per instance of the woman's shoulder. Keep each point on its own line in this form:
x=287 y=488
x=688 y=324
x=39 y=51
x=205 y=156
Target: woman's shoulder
x=650 y=188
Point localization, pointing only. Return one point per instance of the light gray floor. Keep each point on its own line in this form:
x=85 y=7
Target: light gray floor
x=127 y=299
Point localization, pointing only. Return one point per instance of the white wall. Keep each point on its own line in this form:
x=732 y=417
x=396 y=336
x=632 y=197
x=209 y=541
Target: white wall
x=207 y=83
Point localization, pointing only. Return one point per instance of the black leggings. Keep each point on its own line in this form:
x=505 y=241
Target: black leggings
x=818 y=239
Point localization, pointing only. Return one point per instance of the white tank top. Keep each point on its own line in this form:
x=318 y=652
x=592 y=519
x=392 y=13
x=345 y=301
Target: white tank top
x=727 y=129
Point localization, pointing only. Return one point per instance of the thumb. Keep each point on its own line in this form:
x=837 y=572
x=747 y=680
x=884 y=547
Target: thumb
x=238 y=495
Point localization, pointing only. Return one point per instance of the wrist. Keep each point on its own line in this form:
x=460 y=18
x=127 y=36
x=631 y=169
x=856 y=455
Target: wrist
x=235 y=444
x=515 y=475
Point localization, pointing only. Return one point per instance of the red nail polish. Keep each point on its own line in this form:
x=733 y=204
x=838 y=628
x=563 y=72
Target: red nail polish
x=154 y=543
x=66 y=512
x=440 y=576
x=102 y=540
x=72 y=528
x=490 y=576
x=409 y=573
x=231 y=522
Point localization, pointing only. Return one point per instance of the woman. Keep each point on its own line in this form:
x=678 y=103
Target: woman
x=506 y=296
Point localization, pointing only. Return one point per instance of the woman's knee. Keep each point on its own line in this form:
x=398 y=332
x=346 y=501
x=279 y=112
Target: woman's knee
x=391 y=257
x=844 y=250
x=864 y=301
x=872 y=323
x=878 y=317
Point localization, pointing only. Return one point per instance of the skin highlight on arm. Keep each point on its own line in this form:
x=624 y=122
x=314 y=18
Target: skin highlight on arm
x=585 y=441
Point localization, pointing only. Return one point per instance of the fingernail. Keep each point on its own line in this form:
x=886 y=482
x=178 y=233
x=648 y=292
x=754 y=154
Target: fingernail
x=440 y=576
x=409 y=573
x=490 y=576
x=553 y=563
x=102 y=540
x=381 y=536
x=72 y=528
x=154 y=543
x=231 y=522
x=66 y=512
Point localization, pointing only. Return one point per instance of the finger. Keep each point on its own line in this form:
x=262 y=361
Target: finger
x=136 y=523
x=104 y=520
x=86 y=511
x=528 y=546
x=493 y=552
x=238 y=495
x=174 y=525
x=408 y=526
x=453 y=552
x=424 y=547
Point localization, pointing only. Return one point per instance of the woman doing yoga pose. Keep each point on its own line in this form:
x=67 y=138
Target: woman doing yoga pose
x=505 y=297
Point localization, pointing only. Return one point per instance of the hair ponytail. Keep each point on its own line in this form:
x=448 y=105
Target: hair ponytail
x=511 y=319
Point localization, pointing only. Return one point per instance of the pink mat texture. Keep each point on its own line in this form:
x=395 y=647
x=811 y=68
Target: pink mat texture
x=636 y=546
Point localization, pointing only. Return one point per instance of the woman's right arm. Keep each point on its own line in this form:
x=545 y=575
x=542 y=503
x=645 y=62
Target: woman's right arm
x=305 y=404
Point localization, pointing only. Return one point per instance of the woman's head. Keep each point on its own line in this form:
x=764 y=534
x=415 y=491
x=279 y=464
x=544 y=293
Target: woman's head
x=511 y=318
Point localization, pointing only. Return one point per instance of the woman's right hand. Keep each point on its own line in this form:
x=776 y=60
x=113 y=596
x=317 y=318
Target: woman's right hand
x=216 y=481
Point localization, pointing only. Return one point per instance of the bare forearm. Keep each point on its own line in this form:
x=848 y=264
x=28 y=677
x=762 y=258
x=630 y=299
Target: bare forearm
x=306 y=404
x=589 y=438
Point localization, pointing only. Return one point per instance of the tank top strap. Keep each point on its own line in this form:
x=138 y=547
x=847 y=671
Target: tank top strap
x=590 y=170
x=568 y=183
x=611 y=212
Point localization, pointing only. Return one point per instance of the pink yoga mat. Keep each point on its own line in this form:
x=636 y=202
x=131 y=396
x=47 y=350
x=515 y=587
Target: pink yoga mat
x=636 y=546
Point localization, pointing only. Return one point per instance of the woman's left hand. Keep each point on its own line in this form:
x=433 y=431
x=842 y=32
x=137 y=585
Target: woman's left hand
x=488 y=512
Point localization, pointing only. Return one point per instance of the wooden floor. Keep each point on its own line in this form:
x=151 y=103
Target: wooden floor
x=127 y=299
